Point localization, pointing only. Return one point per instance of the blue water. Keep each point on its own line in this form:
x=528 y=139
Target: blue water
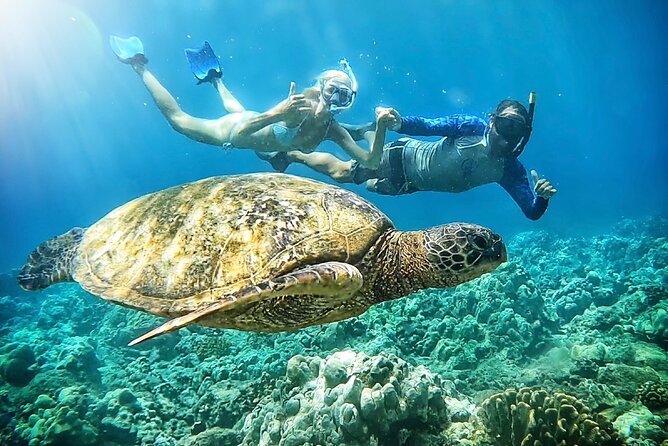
x=79 y=134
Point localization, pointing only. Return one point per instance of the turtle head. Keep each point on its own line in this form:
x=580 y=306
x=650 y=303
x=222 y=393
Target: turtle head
x=459 y=252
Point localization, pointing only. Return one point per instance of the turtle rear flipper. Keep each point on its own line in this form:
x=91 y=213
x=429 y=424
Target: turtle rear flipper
x=50 y=262
x=322 y=280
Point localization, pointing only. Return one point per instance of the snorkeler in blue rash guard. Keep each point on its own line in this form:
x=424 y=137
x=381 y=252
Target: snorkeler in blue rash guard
x=473 y=152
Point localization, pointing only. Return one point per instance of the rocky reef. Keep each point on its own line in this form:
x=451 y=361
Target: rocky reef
x=578 y=324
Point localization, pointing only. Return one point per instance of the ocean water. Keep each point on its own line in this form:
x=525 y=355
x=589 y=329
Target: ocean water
x=580 y=309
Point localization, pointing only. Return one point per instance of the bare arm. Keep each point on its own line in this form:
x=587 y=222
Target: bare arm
x=258 y=122
x=289 y=110
x=371 y=158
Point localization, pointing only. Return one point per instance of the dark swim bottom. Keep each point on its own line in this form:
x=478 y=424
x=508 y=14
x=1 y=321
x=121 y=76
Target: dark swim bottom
x=390 y=174
x=279 y=160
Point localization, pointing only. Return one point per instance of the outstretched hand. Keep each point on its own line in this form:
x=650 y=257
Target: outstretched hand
x=294 y=107
x=385 y=117
x=395 y=122
x=542 y=187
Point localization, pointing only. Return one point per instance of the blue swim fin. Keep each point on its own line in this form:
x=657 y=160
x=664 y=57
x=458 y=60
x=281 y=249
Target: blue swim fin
x=130 y=50
x=204 y=63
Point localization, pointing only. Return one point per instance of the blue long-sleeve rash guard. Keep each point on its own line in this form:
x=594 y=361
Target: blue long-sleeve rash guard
x=515 y=180
x=453 y=126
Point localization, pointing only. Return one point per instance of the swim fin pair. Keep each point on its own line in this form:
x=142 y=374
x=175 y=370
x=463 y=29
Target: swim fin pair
x=203 y=61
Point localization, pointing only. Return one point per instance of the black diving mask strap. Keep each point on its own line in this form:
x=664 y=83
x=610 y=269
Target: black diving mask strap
x=517 y=151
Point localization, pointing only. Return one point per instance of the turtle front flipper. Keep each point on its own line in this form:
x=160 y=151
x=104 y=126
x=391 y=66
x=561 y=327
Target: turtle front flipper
x=324 y=280
x=50 y=262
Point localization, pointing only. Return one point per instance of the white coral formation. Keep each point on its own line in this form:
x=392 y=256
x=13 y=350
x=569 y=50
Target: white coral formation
x=349 y=399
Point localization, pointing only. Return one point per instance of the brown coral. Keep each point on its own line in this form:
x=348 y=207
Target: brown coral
x=653 y=395
x=532 y=417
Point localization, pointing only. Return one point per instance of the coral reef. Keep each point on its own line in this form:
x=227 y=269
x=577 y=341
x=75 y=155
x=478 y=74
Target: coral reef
x=350 y=399
x=533 y=417
x=17 y=364
x=654 y=395
x=584 y=316
x=653 y=325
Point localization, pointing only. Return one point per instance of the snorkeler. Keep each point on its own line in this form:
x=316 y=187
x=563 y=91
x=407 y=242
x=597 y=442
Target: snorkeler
x=473 y=152
x=298 y=123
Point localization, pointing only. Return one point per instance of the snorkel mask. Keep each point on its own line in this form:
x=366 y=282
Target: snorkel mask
x=513 y=129
x=337 y=95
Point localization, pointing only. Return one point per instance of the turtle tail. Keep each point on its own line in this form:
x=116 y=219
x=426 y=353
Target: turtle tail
x=50 y=262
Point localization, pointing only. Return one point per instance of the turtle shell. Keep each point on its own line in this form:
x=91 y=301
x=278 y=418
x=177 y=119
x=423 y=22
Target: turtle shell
x=176 y=250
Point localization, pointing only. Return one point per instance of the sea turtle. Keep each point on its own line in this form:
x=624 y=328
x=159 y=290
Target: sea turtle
x=260 y=252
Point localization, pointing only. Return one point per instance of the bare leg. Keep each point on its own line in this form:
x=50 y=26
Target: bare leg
x=324 y=163
x=358 y=132
x=231 y=104
x=209 y=131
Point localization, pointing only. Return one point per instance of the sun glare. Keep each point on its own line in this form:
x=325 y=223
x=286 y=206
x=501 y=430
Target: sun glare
x=48 y=50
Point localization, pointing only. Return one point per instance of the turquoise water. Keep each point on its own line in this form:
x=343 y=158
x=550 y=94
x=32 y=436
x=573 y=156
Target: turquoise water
x=580 y=308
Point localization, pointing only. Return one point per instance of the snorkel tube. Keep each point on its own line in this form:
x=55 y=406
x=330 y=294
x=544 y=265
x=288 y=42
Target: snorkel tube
x=345 y=67
x=349 y=71
x=517 y=151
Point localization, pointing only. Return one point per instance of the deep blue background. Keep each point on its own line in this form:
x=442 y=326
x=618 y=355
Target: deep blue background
x=79 y=135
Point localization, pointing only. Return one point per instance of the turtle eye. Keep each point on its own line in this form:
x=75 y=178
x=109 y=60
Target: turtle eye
x=479 y=242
